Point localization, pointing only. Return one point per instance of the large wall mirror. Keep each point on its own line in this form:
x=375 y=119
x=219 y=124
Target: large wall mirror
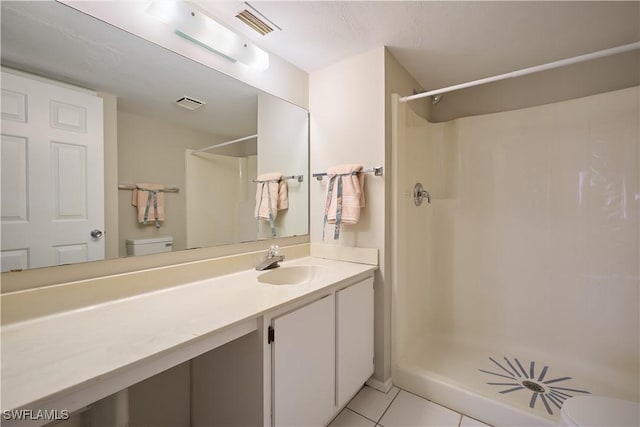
x=54 y=59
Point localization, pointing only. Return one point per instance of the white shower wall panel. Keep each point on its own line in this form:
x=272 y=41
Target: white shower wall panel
x=531 y=244
x=546 y=232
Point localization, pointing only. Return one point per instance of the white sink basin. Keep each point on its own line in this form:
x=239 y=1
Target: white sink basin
x=294 y=275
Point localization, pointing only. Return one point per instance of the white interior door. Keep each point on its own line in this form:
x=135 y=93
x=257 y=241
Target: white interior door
x=52 y=173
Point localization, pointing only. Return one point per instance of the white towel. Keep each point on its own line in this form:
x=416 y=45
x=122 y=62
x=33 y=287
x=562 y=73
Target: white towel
x=140 y=198
x=352 y=193
x=271 y=191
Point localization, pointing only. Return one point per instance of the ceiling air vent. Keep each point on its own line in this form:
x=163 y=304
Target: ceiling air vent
x=254 y=22
x=189 y=103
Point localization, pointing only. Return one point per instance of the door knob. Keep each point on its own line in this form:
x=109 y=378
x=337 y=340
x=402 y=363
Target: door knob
x=96 y=234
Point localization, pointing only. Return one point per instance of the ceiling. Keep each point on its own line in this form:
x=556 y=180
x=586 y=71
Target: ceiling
x=440 y=43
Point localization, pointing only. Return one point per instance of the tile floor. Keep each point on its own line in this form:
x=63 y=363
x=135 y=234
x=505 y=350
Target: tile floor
x=398 y=408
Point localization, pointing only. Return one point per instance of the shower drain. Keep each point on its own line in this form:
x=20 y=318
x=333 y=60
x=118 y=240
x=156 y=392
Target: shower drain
x=533 y=386
x=514 y=377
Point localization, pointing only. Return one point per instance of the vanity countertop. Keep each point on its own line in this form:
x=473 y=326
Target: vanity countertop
x=66 y=353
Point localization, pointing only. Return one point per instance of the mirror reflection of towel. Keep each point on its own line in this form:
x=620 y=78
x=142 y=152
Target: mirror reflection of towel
x=273 y=193
x=140 y=198
x=271 y=196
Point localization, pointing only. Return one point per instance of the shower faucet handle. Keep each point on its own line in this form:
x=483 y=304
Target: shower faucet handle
x=419 y=193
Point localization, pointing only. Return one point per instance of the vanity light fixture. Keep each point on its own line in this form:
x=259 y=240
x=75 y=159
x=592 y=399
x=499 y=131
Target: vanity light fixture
x=192 y=24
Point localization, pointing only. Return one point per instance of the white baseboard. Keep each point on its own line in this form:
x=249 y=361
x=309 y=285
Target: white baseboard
x=383 y=386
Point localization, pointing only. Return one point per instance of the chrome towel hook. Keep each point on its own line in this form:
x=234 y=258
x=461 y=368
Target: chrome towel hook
x=419 y=193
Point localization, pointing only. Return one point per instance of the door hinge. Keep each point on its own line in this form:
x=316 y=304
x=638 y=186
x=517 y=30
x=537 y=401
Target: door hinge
x=271 y=335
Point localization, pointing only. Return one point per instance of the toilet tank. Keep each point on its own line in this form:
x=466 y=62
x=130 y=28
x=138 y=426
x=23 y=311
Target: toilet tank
x=153 y=245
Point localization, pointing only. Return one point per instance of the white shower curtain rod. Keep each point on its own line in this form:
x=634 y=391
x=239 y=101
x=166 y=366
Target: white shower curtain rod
x=222 y=144
x=530 y=70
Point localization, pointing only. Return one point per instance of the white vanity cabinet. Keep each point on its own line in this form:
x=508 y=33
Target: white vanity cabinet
x=303 y=360
x=354 y=340
x=204 y=361
x=321 y=353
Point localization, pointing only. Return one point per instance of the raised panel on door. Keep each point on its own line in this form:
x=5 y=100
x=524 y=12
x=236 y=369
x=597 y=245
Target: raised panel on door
x=14 y=106
x=16 y=259
x=69 y=170
x=354 y=340
x=303 y=359
x=15 y=178
x=52 y=173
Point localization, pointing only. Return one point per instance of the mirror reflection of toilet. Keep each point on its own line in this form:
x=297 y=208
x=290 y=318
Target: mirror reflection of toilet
x=597 y=411
x=153 y=245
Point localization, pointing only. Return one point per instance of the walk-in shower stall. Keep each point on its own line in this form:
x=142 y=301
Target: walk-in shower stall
x=517 y=286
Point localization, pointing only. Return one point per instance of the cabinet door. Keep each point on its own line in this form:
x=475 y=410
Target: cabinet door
x=303 y=358
x=354 y=306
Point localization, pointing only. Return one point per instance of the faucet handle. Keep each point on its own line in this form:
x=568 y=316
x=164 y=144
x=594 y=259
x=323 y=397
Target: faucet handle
x=274 y=250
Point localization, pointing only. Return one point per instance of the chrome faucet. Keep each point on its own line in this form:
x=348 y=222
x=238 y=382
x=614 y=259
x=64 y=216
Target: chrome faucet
x=272 y=259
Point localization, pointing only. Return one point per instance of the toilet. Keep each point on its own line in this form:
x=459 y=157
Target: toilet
x=598 y=411
x=153 y=245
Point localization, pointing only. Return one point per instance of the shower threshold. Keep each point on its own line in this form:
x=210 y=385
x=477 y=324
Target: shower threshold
x=502 y=386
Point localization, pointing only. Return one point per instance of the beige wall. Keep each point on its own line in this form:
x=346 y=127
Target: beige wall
x=162 y=164
x=163 y=400
x=351 y=123
x=110 y=111
x=396 y=80
x=347 y=106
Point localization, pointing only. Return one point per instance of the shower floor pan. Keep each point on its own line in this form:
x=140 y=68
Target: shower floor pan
x=503 y=386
